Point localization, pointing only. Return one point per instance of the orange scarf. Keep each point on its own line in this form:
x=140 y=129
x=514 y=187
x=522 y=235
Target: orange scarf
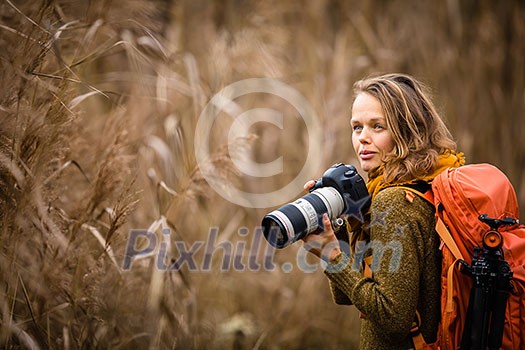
x=446 y=160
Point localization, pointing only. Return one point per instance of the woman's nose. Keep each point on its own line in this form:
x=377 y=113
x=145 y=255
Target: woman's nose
x=364 y=136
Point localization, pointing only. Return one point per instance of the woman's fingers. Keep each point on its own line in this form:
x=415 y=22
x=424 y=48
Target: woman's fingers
x=309 y=185
x=323 y=244
x=327 y=223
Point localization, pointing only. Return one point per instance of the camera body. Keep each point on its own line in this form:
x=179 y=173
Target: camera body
x=345 y=179
x=340 y=190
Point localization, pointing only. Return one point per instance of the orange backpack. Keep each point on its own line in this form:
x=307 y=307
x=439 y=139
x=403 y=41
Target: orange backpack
x=460 y=196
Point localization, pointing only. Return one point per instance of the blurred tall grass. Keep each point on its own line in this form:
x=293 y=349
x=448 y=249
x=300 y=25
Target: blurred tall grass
x=97 y=116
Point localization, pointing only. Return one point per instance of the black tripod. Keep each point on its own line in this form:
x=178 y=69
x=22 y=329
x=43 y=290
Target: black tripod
x=491 y=284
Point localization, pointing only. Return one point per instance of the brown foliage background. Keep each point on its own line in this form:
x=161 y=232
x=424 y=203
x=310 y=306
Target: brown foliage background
x=98 y=110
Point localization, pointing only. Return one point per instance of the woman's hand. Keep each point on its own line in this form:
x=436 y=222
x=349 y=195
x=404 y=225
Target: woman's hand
x=323 y=244
x=307 y=186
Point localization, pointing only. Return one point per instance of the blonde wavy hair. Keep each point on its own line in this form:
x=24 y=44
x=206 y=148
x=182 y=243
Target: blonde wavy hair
x=419 y=133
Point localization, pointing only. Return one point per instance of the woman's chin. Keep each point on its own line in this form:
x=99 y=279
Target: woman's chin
x=366 y=166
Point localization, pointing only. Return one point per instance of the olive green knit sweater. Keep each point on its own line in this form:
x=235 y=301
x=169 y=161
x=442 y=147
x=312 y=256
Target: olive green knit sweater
x=406 y=273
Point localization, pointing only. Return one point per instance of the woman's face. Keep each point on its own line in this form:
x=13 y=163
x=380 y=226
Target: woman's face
x=370 y=137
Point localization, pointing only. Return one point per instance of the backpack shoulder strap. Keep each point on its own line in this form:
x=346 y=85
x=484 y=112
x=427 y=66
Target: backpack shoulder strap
x=441 y=227
x=423 y=192
x=445 y=235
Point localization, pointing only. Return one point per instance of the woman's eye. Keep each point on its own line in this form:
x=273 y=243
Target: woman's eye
x=378 y=126
x=357 y=127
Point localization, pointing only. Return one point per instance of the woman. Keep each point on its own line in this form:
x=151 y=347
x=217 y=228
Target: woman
x=400 y=140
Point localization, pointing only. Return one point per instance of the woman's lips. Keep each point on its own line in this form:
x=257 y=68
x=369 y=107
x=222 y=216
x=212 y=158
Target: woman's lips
x=366 y=155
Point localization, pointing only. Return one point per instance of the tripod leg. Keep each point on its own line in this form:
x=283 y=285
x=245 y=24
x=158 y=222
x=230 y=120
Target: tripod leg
x=497 y=321
x=501 y=295
x=475 y=337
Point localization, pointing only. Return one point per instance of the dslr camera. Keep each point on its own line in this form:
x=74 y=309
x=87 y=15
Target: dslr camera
x=340 y=190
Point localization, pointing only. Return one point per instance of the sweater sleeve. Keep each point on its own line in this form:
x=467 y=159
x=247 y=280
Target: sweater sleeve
x=389 y=298
x=338 y=295
x=342 y=233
